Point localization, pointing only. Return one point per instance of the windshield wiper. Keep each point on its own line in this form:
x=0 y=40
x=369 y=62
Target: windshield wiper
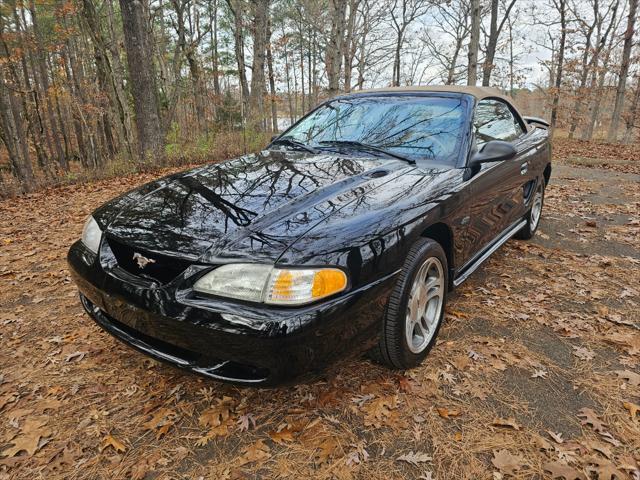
x=293 y=143
x=365 y=146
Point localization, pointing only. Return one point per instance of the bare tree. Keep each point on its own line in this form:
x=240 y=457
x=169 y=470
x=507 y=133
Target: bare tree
x=445 y=39
x=561 y=7
x=492 y=39
x=624 y=71
x=403 y=14
x=589 y=66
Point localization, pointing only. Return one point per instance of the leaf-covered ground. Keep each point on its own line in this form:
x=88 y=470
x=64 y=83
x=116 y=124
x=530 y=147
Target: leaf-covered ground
x=536 y=373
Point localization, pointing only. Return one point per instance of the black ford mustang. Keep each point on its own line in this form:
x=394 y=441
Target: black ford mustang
x=345 y=234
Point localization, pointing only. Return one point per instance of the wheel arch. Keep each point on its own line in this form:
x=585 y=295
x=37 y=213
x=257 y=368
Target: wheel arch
x=442 y=233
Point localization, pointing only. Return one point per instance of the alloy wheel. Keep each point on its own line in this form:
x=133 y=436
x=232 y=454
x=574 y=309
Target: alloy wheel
x=424 y=306
x=536 y=208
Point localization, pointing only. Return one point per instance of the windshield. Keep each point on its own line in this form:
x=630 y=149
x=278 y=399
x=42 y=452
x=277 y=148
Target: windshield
x=414 y=127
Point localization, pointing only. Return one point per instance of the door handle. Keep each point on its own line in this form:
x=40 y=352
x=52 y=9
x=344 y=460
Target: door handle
x=524 y=168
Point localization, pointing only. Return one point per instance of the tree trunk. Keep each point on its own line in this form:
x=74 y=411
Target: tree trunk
x=561 y=6
x=260 y=10
x=292 y=116
x=198 y=89
x=119 y=101
x=350 y=44
x=238 y=37
x=451 y=71
x=586 y=66
x=13 y=136
x=599 y=74
x=494 y=34
x=29 y=100
x=632 y=117
x=397 y=57
x=335 y=43
x=213 y=32
x=272 y=82
x=137 y=41
x=44 y=82
x=624 y=71
x=474 y=43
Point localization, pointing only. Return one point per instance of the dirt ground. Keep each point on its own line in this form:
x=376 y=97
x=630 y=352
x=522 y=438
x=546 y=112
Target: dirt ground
x=536 y=373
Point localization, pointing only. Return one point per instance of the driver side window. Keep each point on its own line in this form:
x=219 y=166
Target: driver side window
x=494 y=121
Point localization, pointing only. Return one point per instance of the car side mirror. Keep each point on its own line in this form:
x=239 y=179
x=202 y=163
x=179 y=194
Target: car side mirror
x=274 y=137
x=494 y=151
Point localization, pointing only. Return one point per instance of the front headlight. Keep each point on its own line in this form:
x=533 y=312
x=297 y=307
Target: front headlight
x=268 y=284
x=91 y=234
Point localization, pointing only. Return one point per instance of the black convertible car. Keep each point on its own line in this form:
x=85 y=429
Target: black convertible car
x=345 y=234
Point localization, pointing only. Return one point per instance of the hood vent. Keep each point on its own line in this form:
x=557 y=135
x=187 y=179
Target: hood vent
x=378 y=173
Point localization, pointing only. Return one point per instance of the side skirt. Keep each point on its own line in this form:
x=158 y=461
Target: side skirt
x=481 y=257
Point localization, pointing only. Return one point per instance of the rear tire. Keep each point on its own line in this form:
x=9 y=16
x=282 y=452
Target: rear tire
x=534 y=214
x=415 y=308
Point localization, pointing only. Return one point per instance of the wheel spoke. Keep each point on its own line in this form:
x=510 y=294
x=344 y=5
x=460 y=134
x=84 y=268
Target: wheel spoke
x=433 y=293
x=432 y=282
x=419 y=331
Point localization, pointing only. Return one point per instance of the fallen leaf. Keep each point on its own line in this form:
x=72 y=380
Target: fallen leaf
x=607 y=437
x=75 y=356
x=599 y=447
x=583 y=353
x=589 y=417
x=221 y=430
x=257 y=452
x=604 y=469
x=245 y=420
x=456 y=313
x=379 y=409
x=414 y=458
x=507 y=462
x=539 y=374
x=543 y=443
x=556 y=436
x=326 y=449
x=631 y=377
x=284 y=435
x=632 y=407
x=28 y=440
x=460 y=362
x=48 y=404
x=405 y=384
x=446 y=413
x=8 y=398
x=111 y=441
x=215 y=415
x=506 y=422
x=161 y=421
x=563 y=471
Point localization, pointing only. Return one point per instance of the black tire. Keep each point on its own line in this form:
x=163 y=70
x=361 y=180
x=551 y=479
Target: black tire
x=393 y=346
x=529 y=230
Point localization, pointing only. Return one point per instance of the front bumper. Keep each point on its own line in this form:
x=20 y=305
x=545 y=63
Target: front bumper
x=226 y=340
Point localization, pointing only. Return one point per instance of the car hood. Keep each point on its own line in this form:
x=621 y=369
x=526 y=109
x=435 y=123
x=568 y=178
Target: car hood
x=251 y=208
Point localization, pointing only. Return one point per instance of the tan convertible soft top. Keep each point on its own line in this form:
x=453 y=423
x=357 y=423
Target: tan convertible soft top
x=478 y=92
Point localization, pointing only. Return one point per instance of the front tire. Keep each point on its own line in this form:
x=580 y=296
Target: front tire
x=533 y=216
x=415 y=309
